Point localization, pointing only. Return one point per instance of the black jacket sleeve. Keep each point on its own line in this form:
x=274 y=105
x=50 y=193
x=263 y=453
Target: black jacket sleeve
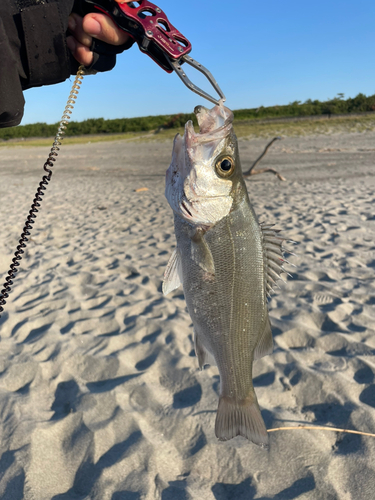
x=33 y=51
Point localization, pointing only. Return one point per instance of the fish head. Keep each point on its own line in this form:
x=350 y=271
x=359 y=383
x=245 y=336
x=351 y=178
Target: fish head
x=205 y=174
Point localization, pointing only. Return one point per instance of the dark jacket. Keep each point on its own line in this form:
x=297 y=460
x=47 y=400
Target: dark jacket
x=33 y=51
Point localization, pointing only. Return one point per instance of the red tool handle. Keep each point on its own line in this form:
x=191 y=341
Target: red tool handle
x=157 y=28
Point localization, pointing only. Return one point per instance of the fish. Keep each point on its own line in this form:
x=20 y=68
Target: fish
x=227 y=262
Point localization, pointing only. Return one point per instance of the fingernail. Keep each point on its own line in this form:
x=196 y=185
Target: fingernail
x=95 y=28
x=71 y=23
x=71 y=43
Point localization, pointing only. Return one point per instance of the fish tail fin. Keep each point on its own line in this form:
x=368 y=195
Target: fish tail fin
x=240 y=418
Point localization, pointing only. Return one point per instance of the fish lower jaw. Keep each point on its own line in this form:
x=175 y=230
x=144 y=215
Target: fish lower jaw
x=190 y=215
x=185 y=210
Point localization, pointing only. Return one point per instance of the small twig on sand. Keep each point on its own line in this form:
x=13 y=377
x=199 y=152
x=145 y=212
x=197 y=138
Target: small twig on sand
x=319 y=428
x=272 y=170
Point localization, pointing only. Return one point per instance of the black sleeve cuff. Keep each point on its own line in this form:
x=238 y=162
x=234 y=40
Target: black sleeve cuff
x=105 y=55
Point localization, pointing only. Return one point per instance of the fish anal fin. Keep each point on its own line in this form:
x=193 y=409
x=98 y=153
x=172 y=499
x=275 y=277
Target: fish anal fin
x=240 y=418
x=265 y=344
x=204 y=356
x=201 y=253
x=173 y=273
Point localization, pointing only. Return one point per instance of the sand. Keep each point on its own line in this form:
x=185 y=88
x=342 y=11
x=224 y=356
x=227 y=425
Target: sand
x=100 y=393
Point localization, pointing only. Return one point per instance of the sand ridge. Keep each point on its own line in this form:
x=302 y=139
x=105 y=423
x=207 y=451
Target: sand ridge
x=100 y=392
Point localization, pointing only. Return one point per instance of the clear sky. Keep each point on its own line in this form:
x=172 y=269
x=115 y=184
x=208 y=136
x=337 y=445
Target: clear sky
x=262 y=53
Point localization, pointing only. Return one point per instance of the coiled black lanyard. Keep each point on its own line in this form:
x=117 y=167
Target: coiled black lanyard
x=7 y=286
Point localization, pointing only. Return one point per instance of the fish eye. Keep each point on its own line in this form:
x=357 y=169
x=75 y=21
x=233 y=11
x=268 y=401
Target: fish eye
x=225 y=166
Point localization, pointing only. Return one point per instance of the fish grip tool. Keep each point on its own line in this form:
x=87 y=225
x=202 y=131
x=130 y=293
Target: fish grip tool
x=155 y=35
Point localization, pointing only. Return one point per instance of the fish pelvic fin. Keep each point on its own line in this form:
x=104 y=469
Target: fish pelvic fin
x=205 y=357
x=173 y=273
x=265 y=344
x=240 y=418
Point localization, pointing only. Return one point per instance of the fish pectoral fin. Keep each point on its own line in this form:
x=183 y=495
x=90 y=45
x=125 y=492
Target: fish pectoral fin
x=204 y=356
x=240 y=418
x=201 y=253
x=173 y=273
x=265 y=344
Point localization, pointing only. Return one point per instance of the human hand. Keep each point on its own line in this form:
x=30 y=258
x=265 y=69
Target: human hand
x=98 y=26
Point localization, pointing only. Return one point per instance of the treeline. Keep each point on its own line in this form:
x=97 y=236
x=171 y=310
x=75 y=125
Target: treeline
x=338 y=105
x=335 y=106
x=98 y=126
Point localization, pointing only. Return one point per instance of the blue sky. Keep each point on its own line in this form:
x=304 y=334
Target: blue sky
x=261 y=53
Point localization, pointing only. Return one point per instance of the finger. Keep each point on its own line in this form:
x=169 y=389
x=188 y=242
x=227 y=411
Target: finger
x=103 y=28
x=76 y=28
x=80 y=52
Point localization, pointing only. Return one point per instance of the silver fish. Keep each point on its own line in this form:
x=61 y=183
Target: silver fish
x=227 y=263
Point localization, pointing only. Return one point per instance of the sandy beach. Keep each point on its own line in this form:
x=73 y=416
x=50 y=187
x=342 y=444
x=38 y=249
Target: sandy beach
x=100 y=393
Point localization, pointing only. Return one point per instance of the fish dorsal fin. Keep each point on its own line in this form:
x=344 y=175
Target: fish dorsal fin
x=200 y=251
x=173 y=273
x=204 y=356
x=265 y=344
x=273 y=247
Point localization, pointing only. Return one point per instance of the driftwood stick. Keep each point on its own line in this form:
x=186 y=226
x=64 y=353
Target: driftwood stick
x=320 y=428
x=262 y=155
x=250 y=171
x=272 y=170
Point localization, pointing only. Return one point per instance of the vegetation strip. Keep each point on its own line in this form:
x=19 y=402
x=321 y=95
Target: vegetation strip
x=336 y=106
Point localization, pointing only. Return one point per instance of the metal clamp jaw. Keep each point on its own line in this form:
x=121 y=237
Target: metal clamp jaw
x=155 y=36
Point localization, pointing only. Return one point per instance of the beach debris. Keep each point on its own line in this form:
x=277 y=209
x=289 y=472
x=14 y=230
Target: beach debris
x=251 y=170
x=320 y=428
x=140 y=190
x=227 y=262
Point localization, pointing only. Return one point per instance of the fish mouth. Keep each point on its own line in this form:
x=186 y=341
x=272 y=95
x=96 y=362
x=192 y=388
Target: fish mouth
x=214 y=125
x=212 y=120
